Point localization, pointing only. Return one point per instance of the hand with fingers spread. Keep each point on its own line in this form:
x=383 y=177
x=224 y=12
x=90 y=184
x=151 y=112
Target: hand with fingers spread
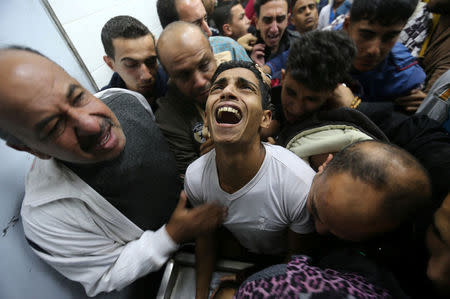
x=257 y=54
x=247 y=41
x=411 y=102
x=187 y=224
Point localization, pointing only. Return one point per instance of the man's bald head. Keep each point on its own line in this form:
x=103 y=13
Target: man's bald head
x=186 y=55
x=368 y=188
x=180 y=34
x=51 y=113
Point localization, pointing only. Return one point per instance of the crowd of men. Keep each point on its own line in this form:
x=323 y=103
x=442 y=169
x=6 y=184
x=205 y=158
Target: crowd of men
x=248 y=129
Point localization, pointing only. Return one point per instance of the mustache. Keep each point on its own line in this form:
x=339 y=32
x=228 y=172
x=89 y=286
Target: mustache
x=88 y=143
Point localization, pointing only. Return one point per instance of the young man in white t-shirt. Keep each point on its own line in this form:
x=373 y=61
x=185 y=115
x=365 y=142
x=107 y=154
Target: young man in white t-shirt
x=264 y=186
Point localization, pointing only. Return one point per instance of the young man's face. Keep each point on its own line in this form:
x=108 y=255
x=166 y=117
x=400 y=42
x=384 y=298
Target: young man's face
x=373 y=42
x=136 y=62
x=305 y=16
x=298 y=101
x=239 y=22
x=191 y=66
x=52 y=114
x=193 y=11
x=234 y=111
x=272 y=22
x=345 y=207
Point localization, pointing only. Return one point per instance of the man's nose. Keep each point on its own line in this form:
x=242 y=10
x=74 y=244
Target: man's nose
x=273 y=27
x=200 y=80
x=374 y=48
x=144 y=72
x=84 y=123
x=228 y=93
x=205 y=28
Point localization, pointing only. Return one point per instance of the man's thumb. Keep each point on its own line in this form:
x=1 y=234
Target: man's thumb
x=182 y=201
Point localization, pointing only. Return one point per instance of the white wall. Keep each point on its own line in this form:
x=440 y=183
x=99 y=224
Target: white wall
x=83 y=21
x=26 y=23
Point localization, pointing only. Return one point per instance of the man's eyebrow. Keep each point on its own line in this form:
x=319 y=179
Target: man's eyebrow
x=43 y=123
x=394 y=32
x=366 y=30
x=129 y=58
x=241 y=80
x=221 y=81
x=71 y=90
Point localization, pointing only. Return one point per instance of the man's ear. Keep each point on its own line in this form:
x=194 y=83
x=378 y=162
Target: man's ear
x=255 y=20
x=324 y=165
x=292 y=21
x=283 y=75
x=266 y=119
x=24 y=148
x=346 y=23
x=227 y=30
x=109 y=61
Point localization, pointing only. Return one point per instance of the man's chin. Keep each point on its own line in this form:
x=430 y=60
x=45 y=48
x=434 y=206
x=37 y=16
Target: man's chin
x=364 y=66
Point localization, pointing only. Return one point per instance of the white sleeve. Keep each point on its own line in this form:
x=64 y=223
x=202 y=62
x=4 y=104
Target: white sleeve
x=324 y=17
x=64 y=234
x=192 y=183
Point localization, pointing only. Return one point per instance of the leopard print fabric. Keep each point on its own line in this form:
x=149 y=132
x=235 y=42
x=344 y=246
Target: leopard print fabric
x=301 y=279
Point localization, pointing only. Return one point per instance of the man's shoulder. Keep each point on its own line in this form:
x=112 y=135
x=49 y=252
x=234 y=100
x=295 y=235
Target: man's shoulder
x=221 y=44
x=287 y=160
x=196 y=168
x=222 y=40
x=116 y=81
x=128 y=97
x=49 y=180
x=400 y=58
x=174 y=106
x=195 y=172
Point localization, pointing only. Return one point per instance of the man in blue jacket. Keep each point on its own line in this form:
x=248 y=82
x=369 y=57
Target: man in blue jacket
x=384 y=68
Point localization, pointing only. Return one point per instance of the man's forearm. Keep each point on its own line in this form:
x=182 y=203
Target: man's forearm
x=205 y=256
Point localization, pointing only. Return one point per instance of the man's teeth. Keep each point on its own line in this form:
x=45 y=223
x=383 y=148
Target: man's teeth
x=228 y=109
x=106 y=138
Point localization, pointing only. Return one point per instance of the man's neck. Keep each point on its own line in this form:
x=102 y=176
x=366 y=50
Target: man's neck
x=237 y=165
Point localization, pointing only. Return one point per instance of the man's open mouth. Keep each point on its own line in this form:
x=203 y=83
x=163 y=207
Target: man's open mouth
x=228 y=115
x=273 y=36
x=98 y=141
x=105 y=137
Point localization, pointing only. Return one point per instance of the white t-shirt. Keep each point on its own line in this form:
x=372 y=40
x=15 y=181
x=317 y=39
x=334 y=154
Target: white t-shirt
x=261 y=211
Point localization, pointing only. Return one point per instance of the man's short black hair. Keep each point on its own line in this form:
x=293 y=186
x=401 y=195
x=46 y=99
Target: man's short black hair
x=122 y=27
x=321 y=59
x=167 y=12
x=222 y=14
x=258 y=3
x=295 y=1
x=405 y=195
x=264 y=88
x=383 y=12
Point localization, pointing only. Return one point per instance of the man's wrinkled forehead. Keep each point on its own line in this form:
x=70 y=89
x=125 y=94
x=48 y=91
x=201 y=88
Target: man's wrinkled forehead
x=264 y=11
x=239 y=74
